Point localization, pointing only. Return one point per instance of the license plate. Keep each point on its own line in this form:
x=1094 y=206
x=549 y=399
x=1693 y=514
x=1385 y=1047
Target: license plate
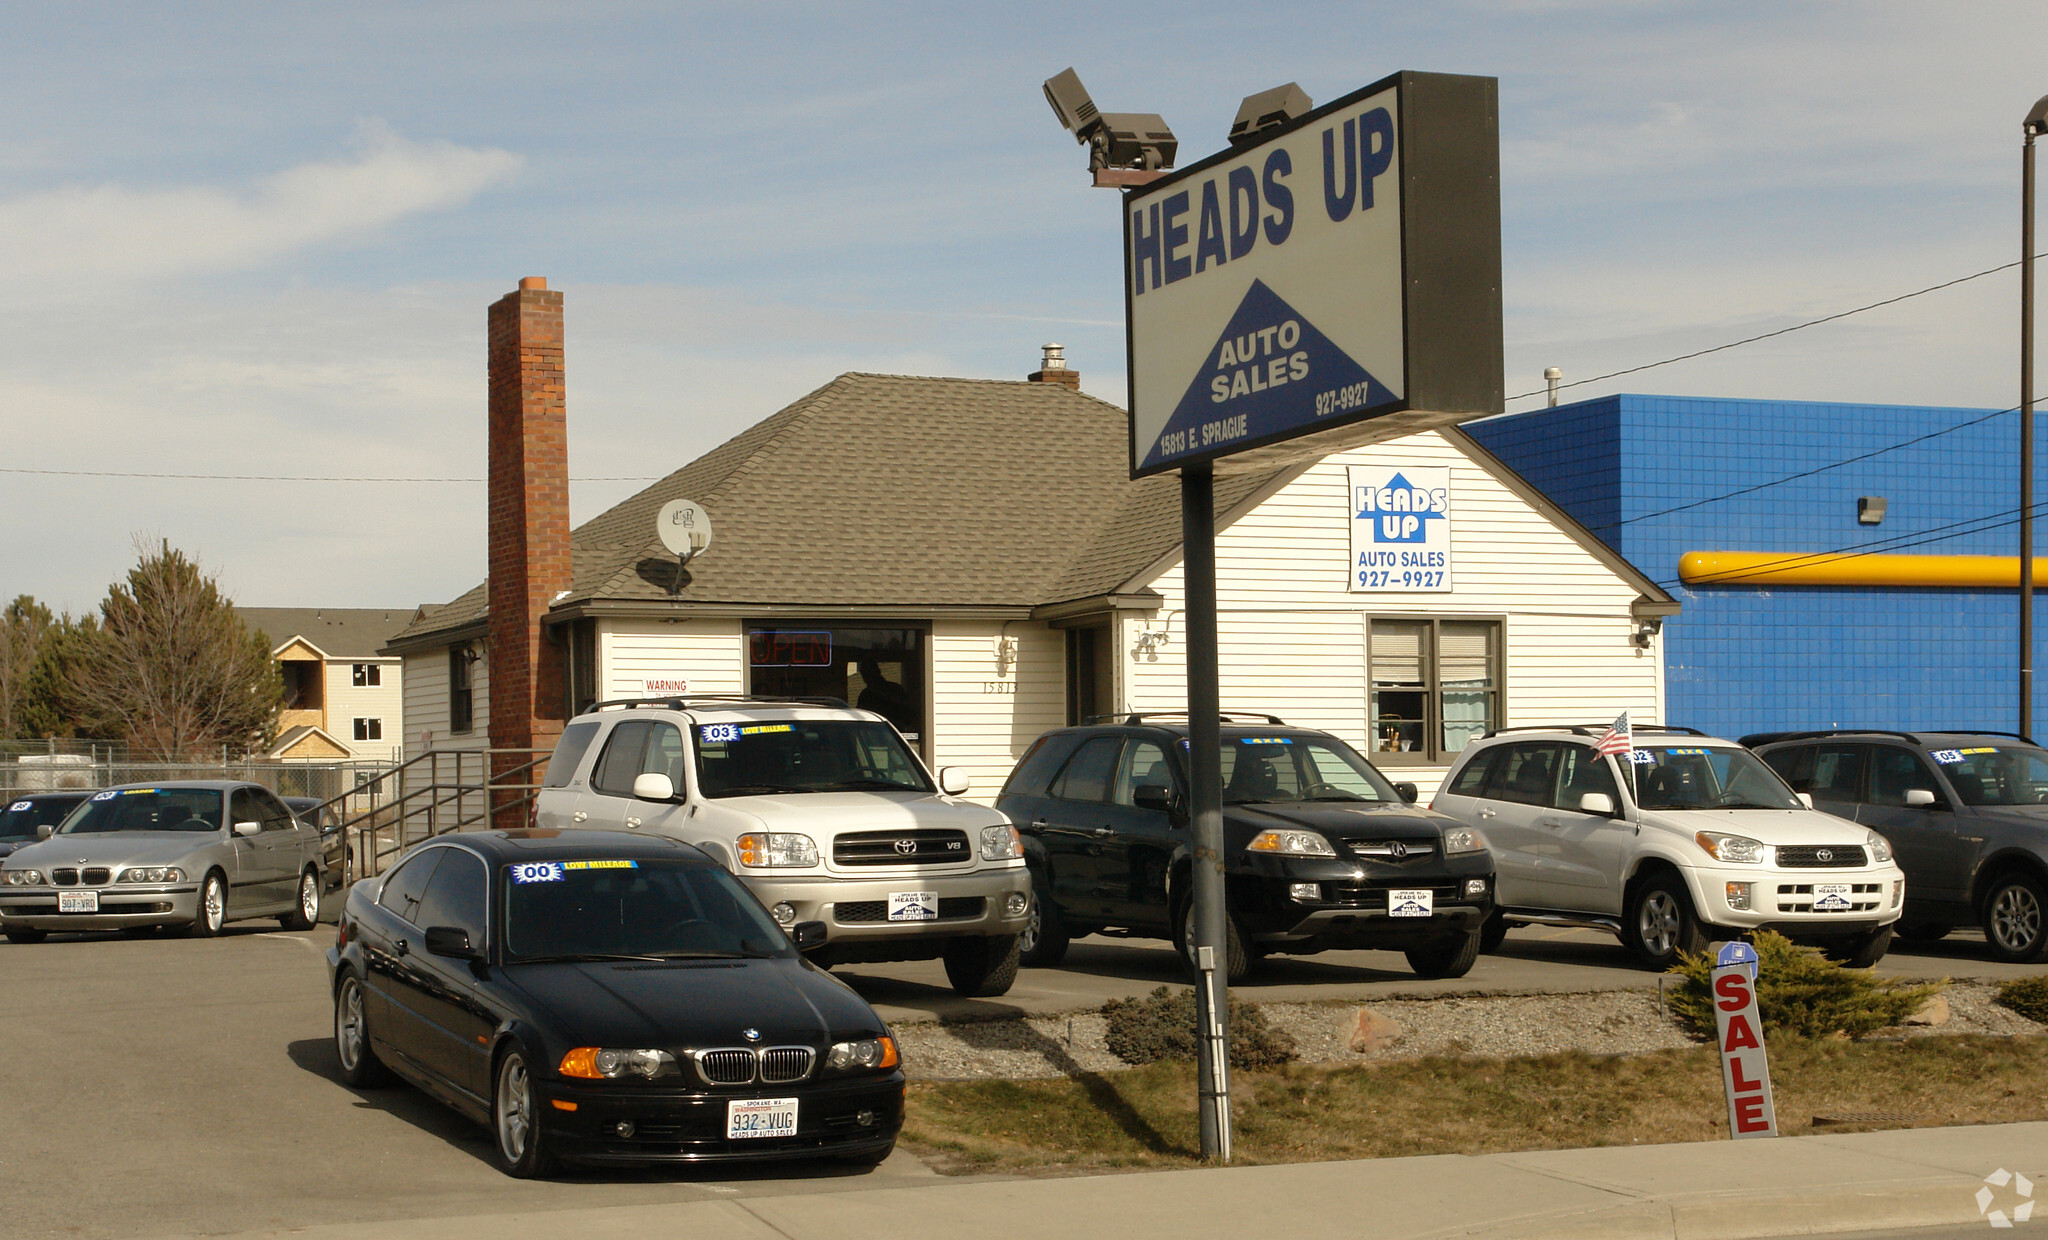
x=913 y=906
x=78 y=901
x=1411 y=903
x=760 y=1117
x=1831 y=897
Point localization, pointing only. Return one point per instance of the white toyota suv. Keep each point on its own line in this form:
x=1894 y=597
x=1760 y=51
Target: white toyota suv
x=1683 y=838
x=821 y=810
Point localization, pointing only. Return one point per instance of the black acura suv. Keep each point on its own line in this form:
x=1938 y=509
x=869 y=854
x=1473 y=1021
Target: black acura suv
x=1321 y=850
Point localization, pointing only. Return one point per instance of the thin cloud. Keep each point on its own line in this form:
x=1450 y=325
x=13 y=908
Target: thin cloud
x=117 y=233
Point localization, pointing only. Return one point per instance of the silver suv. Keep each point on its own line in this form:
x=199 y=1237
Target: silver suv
x=822 y=810
x=1681 y=839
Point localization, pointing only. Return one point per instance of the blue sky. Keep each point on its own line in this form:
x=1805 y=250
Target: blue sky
x=255 y=239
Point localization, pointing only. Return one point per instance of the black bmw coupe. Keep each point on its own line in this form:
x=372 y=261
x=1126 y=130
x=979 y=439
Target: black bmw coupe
x=603 y=997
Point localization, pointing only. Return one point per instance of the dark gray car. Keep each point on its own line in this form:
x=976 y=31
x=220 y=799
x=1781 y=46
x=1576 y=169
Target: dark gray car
x=189 y=855
x=1966 y=814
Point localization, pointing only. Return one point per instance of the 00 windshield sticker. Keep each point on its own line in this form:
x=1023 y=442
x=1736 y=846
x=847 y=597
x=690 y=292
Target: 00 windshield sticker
x=537 y=872
x=714 y=733
x=1947 y=757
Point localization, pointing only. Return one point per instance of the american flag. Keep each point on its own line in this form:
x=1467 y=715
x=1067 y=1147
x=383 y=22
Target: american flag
x=1617 y=739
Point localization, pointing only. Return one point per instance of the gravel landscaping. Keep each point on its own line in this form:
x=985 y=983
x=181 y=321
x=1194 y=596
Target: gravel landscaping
x=1604 y=1022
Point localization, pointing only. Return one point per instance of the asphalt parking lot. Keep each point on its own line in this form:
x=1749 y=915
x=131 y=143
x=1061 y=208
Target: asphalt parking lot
x=176 y=1086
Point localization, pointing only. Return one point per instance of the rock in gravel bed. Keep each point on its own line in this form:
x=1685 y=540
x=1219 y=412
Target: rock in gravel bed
x=1603 y=1022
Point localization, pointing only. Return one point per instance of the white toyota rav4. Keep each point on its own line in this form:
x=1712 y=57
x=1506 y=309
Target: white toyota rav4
x=822 y=810
x=1682 y=837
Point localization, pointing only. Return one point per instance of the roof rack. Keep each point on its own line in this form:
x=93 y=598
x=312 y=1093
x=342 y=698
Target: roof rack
x=696 y=701
x=1918 y=738
x=1225 y=716
x=1595 y=729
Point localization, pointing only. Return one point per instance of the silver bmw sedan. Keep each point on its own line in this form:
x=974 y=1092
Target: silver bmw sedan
x=189 y=855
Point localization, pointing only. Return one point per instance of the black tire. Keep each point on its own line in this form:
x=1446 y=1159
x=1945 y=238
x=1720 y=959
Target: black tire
x=1660 y=923
x=1044 y=941
x=1237 y=962
x=981 y=966
x=1453 y=958
x=1921 y=931
x=2016 y=918
x=27 y=936
x=305 y=912
x=1862 y=951
x=360 y=1067
x=515 y=1120
x=1493 y=933
x=213 y=907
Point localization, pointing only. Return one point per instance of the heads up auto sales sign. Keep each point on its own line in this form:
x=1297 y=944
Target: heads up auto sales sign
x=1342 y=270
x=1400 y=530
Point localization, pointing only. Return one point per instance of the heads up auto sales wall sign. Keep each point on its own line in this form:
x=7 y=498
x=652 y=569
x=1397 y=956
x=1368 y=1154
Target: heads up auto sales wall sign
x=1400 y=529
x=1333 y=284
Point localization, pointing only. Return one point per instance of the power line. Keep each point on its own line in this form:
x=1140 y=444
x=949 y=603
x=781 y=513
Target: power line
x=104 y=473
x=1686 y=357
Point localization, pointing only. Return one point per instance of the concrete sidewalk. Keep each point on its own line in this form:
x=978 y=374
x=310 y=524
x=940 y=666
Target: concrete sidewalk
x=1705 y=1191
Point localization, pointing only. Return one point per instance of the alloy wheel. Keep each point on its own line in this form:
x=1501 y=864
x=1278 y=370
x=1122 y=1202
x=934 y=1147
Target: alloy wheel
x=348 y=1026
x=1657 y=922
x=2016 y=918
x=515 y=1108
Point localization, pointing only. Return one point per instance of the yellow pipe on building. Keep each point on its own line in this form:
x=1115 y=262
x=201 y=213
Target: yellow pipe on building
x=1833 y=568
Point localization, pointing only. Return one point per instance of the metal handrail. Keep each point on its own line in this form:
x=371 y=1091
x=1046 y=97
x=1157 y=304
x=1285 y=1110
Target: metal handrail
x=379 y=835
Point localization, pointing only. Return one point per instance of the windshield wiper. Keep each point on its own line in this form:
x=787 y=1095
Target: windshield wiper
x=865 y=782
x=590 y=958
x=741 y=790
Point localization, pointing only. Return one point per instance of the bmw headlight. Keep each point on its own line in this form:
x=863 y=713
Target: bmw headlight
x=1880 y=847
x=1001 y=844
x=777 y=850
x=866 y=1055
x=1736 y=848
x=153 y=874
x=1462 y=840
x=1291 y=844
x=24 y=878
x=599 y=1063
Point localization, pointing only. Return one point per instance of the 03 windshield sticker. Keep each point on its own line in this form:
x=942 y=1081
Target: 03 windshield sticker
x=715 y=733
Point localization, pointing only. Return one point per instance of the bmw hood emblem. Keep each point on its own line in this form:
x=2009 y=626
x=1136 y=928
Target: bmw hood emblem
x=751 y=1035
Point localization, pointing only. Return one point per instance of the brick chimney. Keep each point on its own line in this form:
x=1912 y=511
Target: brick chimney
x=1054 y=369
x=528 y=525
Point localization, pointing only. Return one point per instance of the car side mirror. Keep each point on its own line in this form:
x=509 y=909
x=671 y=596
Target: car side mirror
x=453 y=942
x=1407 y=792
x=1597 y=803
x=653 y=786
x=1158 y=798
x=954 y=780
x=248 y=828
x=807 y=934
x=1919 y=797
x=45 y=831
x=1806 y=799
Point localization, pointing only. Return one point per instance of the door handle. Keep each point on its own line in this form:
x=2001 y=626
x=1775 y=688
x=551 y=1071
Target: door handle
x=1485 y=813
x=1550 y=822
x=578 y=816
x=1037 y=825
x=1103 y=833
x=399 y=948
x=632 y=822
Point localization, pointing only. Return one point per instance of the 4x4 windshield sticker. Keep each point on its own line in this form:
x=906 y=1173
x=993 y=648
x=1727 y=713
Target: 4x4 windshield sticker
x=1265 y=740
x=714 y=733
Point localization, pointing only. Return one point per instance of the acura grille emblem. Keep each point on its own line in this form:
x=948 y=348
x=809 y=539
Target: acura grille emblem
x=906 y=847
x=1396 y=849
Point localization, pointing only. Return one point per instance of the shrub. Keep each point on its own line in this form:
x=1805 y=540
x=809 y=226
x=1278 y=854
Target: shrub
x=1801 y=992
x=1162 y=1026
x=2028 y=996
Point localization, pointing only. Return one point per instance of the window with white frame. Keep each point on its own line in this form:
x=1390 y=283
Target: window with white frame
x=368 y=675
x=369 y=729
x=1433 y=686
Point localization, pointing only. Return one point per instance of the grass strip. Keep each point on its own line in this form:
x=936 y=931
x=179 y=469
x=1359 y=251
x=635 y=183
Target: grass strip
x=1145 y=1117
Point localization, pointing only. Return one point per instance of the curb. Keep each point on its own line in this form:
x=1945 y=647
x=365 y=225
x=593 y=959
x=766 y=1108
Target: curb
x=1752 y=1216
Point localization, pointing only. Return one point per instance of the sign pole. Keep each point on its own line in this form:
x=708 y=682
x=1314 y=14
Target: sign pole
x=1205 y=807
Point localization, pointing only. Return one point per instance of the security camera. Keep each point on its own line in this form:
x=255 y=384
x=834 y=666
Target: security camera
x=1269 y=109
x=1114 y=139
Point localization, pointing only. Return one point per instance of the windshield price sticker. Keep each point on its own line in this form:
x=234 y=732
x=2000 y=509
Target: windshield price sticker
x=1418 y=903
x=1831 y=897
x=1947 y=757
x=108 y=795
x=537 y=872
x=913 y=906
x=1642 y=757
x=599 y=865
x=718 y=733
x=17 y=807
x=760 y=1117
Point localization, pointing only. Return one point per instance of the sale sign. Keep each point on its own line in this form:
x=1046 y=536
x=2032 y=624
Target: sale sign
x=1744 y=1074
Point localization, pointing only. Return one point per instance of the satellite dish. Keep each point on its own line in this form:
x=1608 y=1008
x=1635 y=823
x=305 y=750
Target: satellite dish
x=685 y=528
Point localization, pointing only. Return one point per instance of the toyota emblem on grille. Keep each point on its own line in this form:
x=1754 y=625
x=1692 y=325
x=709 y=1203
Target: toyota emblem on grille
x=906 y=847
x=751 y=1035
x=1396 y=849
x=1823 y=854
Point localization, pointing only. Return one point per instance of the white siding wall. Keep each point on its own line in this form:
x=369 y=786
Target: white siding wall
x=986 y=710
x=1292 y=637
x=426 y=702
x=346 y=703
x=709 y=654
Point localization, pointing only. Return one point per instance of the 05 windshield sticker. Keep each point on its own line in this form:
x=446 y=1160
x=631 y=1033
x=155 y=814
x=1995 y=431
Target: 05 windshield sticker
x=715 y=733
x=1947 y=757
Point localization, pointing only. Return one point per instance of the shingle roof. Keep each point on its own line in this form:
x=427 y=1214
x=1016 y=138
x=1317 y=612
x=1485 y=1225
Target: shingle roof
x=339 y=632
x=889 y=491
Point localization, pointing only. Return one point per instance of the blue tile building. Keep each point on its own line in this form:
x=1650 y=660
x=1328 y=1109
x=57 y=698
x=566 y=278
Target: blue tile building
x=1660 y=476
